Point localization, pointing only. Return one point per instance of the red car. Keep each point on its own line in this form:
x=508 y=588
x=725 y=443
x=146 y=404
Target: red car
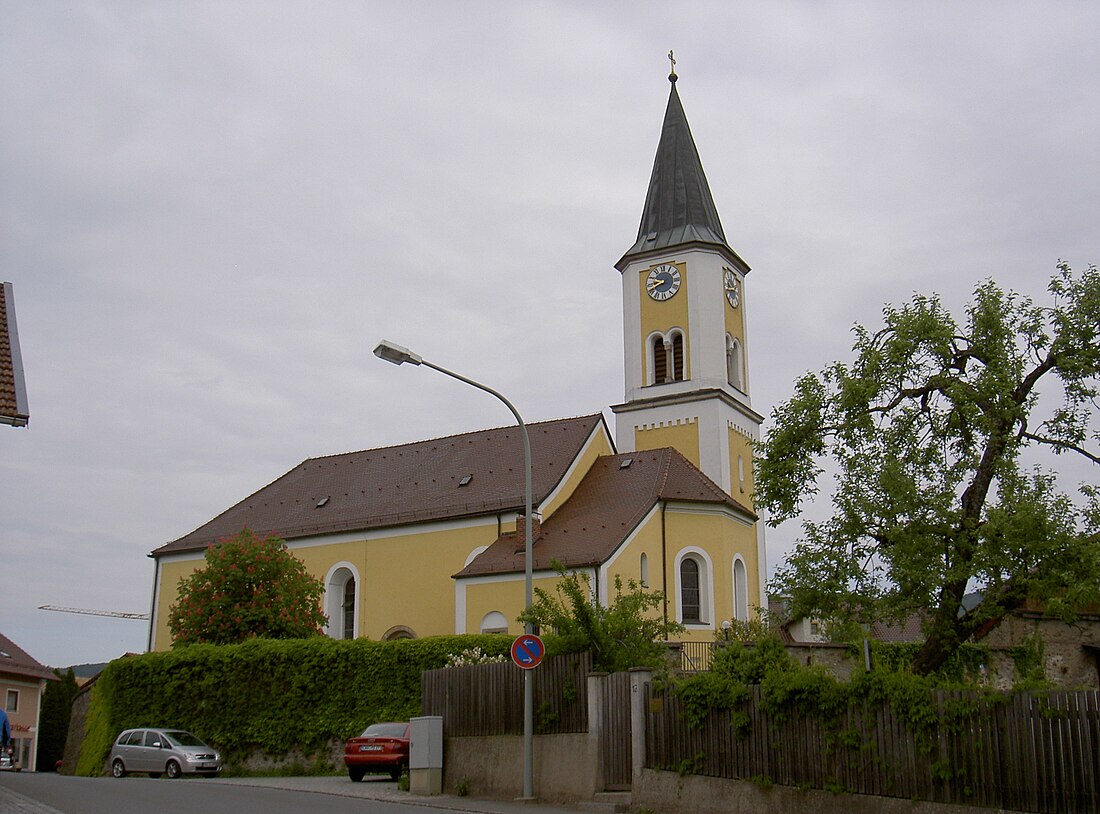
x=381 y=748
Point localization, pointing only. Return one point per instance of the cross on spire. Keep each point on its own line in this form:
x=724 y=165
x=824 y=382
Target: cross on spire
x=672 y=71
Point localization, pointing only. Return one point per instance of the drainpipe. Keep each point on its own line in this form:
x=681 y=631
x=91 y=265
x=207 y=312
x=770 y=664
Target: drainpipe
x=664 y=564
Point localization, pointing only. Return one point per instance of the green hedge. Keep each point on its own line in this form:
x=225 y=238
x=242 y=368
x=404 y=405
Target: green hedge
x=267 y=695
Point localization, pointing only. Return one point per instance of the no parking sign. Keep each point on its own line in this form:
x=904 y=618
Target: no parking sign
x=527 y=651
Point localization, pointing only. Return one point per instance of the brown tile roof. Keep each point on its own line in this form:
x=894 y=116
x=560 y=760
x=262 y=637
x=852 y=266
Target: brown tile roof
x=409 y=483
x=14 y=659
x=908 y=630
x=604 y=509
x=13 y=393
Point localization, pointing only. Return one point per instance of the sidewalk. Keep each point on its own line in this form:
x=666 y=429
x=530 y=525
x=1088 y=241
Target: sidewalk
x=382 y=788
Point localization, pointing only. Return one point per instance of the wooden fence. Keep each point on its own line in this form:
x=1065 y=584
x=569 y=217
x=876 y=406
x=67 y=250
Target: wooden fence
x=487 y=699
x=1033 y=752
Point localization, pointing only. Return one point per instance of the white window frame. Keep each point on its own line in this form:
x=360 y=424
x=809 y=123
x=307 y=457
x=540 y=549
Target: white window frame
x=740 y=584
x=735 y=363
x=706 y=588
x=491 y=623
x=334 y=599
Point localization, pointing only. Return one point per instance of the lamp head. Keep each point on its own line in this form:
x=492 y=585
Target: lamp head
x=396 y=354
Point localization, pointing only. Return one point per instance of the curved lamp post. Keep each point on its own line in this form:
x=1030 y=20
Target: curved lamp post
x=398 y=356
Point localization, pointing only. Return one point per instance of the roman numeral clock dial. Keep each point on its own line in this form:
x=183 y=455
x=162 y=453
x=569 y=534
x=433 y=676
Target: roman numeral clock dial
x=663 y=282
x=732 y=294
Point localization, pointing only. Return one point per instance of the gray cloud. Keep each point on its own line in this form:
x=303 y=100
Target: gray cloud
x=211 y=212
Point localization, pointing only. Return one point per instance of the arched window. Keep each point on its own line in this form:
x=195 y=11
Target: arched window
x=494 y=622
x=740 y=590
x=677 y=357
x=734 y=365
x=644 y=571
x=347 y=609
x=690 y=592
x=665 y=357
x=694 y=587
x=660 y=360
x=342 y=601
x=741 y=472
x=398 y=632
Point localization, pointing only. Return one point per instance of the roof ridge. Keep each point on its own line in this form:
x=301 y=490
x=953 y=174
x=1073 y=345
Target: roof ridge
x=424 y=441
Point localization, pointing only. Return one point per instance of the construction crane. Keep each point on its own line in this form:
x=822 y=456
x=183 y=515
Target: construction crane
x=116 y=614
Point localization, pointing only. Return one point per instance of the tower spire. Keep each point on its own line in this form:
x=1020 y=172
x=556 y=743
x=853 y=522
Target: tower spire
x=679 y=208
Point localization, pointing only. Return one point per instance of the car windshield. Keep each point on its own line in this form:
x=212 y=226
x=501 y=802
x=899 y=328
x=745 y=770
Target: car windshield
x=384 y=731
x=180 y=738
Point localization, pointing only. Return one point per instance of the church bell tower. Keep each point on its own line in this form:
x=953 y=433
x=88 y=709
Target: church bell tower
x=685 y=340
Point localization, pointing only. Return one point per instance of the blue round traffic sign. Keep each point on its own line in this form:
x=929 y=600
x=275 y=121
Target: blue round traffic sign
x=527 y=651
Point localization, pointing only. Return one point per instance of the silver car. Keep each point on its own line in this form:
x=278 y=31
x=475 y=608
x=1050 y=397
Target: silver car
x=162 y=751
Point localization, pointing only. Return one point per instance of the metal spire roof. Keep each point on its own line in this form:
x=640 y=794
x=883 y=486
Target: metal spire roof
x=678 y=207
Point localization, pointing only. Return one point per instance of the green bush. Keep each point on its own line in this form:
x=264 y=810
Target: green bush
x=267 y=695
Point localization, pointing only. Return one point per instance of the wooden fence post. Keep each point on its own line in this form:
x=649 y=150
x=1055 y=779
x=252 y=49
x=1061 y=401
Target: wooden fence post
x=596 y=715
x=639 y=680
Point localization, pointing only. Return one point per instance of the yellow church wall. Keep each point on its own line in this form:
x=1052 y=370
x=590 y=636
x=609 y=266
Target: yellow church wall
x=741 y=476
x=663 y=316
x=723 y=538
x=169 y=575
x=405 y=579
x=504 y=595
x=627 y=562
x=735 y=322
x=683 y=437
x=599 y=445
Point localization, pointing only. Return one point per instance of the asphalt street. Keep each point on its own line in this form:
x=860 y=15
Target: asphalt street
x=48 y=793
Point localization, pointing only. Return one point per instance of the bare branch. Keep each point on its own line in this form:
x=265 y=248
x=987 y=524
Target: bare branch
x=1055 y=442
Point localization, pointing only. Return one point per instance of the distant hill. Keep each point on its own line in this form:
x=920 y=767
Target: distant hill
x=85 y=670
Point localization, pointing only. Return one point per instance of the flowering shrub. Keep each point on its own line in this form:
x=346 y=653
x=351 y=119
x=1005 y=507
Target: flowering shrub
x=250 y=587
x=474 y=655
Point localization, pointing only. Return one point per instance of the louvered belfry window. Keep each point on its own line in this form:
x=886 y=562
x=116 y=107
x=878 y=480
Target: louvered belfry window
x=678 y=357
x=660 y=361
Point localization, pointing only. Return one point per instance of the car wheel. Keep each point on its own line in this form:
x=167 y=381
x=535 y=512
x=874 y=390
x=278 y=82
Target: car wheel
x=118 y=769
x=356 y=773
x=172 y=769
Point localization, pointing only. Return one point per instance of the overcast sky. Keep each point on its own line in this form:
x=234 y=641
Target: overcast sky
x=211 y=213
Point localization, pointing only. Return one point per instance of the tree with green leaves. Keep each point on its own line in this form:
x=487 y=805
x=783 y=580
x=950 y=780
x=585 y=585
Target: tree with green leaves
x=250 y=587
x=924 y=432
x=629 y=632
x=53 y=720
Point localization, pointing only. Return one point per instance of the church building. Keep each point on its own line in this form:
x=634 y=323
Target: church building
x=427 y=538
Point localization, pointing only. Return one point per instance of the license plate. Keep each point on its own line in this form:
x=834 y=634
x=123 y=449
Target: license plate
x=208 y=765
x=370 y=748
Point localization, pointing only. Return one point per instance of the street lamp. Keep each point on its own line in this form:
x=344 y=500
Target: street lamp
x=399 y=355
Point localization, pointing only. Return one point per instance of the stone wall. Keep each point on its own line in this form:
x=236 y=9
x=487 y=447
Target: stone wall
x=564 y=767
x=670 y=793
x=1065 y=660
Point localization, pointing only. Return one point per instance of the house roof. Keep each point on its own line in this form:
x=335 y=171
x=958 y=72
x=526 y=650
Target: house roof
x=15 y=660
x=908 y=630
x=679 y=208
x=13 y=391
x=408 y=483
x=609 y=503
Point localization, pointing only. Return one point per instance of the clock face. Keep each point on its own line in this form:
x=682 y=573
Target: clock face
x=733 y=294
x=663 y=282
